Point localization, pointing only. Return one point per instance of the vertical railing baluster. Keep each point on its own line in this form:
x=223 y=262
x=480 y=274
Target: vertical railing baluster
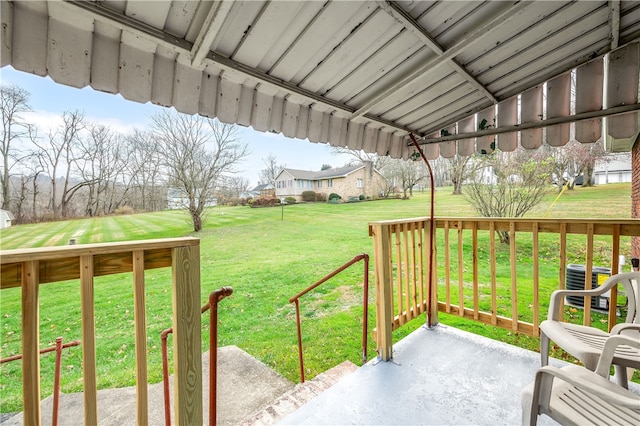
x=514 y=280
x=536 y=280
x=405 y=314
x=30 y=343
x=460 y=271
x=494 y=291
x=615 y=264
x=474 y=245
x=140 y=320
x=562 y=276
x=588 y=275
x=422 y=267
x=414 y=270
x=447 y=266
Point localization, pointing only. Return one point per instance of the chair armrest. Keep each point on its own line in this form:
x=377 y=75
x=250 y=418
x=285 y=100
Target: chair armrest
x=609 y=350
x=624 y=279
x=619 y=328
x=582 y=379
x=558 y=295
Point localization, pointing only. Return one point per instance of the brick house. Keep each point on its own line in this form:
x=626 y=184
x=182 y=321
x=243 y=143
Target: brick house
x=351 y=181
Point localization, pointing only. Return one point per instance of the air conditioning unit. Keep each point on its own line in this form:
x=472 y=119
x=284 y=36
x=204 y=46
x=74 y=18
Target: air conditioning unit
x=575 y=281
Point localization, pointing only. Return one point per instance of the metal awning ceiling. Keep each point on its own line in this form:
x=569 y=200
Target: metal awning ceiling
x=361 y=74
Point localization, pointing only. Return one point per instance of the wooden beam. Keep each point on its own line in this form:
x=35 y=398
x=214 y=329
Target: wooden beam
x=187 y=341
x=30 y=344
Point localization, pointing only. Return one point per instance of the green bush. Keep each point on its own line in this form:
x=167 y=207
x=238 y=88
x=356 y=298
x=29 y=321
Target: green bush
x=290 y=200
x=309 y=196
x=334 y=196
x=361 y=197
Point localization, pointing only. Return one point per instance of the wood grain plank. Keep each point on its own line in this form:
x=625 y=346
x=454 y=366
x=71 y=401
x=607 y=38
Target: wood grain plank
x=30 y=344
x=139 y=312
x=88 y=341
x=187 y=335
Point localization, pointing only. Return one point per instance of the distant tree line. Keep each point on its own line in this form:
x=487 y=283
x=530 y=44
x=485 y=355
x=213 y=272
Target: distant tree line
x=82 y=168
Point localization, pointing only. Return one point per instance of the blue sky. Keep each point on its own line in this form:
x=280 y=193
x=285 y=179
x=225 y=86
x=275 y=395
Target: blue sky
x=49 y=100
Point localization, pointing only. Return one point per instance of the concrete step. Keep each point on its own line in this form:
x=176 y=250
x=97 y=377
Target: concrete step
x=244 y=386
x=298 y=396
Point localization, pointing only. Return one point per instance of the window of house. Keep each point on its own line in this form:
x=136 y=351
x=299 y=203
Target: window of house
x=309 y=184
x=329 y=183
x=359 y=183
x=290 y=183
x=319 y=184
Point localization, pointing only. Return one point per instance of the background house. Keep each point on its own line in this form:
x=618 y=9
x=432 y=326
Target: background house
x=613 y=168
x=5 y=218
x=351 y=181
x=178 y=199
x=265 y=190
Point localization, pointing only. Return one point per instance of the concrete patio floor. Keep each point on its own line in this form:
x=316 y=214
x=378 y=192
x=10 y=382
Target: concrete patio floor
x=439 y=376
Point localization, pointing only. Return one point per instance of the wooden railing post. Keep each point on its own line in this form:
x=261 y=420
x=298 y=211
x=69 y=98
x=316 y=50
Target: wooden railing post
x=30 y=343
x=88 y=340
x=142 y=398
x=384 y=290
x=187 y=335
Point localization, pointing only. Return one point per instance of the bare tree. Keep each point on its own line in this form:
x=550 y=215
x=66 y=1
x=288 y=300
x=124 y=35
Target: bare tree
x=360 y=157
x=14 y=101
x=520 y=183
x=101 y=162
x=271 y=170
x=462 y=168
x=60 y=152
x=145 y=172
x=197 y=152
x=405 y=174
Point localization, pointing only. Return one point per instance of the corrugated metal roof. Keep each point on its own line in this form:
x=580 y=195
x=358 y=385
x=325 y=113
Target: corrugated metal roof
x=361 y=74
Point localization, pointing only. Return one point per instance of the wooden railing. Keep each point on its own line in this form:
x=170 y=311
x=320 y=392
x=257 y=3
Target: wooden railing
x=478 y=277
x=31 y=267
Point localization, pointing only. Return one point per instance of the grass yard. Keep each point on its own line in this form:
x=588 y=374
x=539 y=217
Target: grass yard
x=267 y=255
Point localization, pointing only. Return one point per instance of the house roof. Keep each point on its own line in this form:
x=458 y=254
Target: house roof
x=8 y=214
x=323 y=174
x=361 y=74
x=261 y=187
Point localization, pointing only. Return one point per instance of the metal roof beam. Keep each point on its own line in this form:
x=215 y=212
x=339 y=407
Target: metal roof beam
x=210 y=28
x=614 y=23
x=412 y=25
x=472 y=37
x=179 y=45
x=623 y=109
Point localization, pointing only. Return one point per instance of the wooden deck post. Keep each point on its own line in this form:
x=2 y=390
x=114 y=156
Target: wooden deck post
x=30 y=343
x=187 y=346
x=384 y=290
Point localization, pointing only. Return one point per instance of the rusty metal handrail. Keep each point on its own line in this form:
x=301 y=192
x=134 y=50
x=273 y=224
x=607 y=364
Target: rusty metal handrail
x=56 y=377
x=214 y=298
x=295 y=300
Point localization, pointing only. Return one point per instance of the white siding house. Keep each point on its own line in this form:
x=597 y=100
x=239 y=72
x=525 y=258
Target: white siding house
x=351 y=181
x=6 y=217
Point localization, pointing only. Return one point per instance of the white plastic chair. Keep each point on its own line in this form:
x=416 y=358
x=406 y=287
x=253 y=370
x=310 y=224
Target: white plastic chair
x=586 y=343
x=574 y=395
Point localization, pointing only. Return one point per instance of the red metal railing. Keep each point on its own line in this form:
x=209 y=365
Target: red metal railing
x=214 y=298
x=56 y=378
x=295 y=300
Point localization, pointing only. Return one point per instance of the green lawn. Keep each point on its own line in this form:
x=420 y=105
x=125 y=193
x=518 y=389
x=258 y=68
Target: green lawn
x=267 y=255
